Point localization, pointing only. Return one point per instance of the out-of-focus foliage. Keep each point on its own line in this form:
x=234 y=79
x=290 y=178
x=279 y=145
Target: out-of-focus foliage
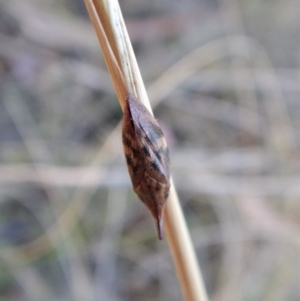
x=71 y=227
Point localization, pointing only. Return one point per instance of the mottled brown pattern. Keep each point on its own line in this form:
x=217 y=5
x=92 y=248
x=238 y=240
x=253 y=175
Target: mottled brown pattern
x=147 y=158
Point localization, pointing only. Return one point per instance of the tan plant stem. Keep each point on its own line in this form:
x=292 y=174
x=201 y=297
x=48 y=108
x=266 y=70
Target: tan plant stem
x=108 y=54
x=183 y=253
x=108 y=22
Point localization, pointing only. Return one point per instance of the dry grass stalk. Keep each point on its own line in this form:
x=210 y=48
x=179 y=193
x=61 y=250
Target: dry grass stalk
x=108 y=22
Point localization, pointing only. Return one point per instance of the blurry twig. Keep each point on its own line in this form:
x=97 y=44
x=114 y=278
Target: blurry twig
x=25 y=125
x=238 y=46
x=202 y=177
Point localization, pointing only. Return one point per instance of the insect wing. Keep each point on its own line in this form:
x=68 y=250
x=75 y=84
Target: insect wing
x=151 y=141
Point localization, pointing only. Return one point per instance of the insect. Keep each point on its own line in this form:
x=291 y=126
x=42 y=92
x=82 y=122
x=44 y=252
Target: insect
x=147 y=158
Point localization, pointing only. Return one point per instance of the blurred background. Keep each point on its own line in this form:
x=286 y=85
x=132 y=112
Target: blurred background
x=224 y=81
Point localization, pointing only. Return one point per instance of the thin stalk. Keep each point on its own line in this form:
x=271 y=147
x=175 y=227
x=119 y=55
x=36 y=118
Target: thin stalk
x=117 y=50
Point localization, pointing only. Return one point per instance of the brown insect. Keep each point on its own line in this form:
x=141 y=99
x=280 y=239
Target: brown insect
x=147 y=158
